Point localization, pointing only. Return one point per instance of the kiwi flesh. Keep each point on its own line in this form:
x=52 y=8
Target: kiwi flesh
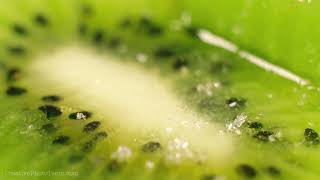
x=69 y=110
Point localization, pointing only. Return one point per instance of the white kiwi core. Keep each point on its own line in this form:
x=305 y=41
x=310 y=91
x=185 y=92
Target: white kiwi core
x=138 y=100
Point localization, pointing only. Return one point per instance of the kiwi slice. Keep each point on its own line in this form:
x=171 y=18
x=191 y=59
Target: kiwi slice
x=123 y=90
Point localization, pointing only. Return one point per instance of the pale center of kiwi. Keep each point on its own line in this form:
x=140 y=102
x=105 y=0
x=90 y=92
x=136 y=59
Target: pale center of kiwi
x=137 y=100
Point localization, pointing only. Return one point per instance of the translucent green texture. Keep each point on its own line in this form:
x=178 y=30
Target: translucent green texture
x=285 y=32
x=280 y=105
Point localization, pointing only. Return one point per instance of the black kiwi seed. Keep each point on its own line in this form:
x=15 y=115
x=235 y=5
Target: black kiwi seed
x=100 y=135
x=41 y=20
x=125 y=23
x=51 y=98
x=91 y=126
x=273 y=171
x=151 y=146
x=87 y=10
x=88 y=146
x=191 y=31
x=20 y=30
x=17 y=50
x=311 y=136
x=75 y=158
x=246 y=170
x=145 y=21
x=114 y=42
x=255 y=125
x=263 y=135
x=50 y=111
x=98 y=37
x=15 y=91
x=209 y=177
x=180 y=63
x=80 y=115
x=146 y=25
x=83 y=29
x=61 y=140
x=49 y=128
x=164 y=52
x=114 y=166
x=13 y=74
x=236 y=102
x=155 y=30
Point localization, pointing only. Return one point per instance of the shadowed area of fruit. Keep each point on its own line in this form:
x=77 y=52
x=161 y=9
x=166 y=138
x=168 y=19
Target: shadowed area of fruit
x=126 y=90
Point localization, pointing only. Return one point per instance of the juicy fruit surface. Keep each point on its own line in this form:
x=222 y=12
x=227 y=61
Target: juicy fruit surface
x=285 y=31
x=272 y=122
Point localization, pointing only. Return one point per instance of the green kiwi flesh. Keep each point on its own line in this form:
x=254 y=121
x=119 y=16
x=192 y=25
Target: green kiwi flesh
x=251 y=123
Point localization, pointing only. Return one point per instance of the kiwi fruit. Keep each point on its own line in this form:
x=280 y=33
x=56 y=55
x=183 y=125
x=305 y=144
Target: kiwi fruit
x=126 y=90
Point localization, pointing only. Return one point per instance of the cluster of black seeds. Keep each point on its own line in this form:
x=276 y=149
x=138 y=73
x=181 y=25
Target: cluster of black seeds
x=145 y=25
x=247 y=171
x=18 y=49
x=99 y=37
x=39 y=19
